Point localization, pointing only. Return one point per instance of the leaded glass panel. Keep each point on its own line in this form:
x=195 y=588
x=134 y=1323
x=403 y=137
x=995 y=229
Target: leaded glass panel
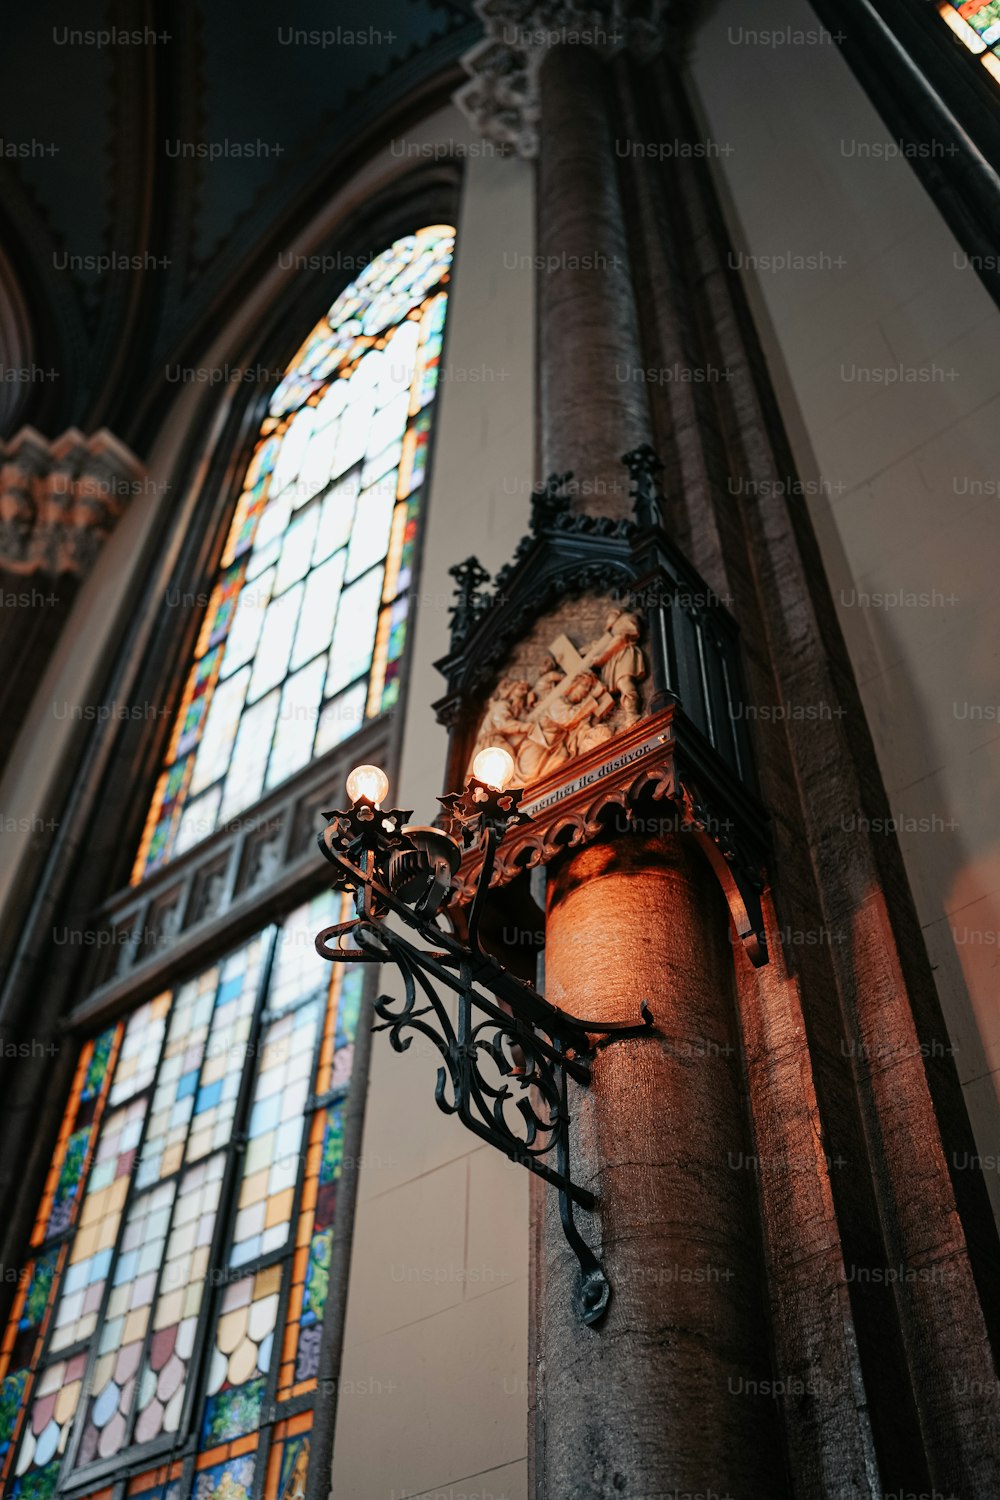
x=302 y=641
x=146 y=1312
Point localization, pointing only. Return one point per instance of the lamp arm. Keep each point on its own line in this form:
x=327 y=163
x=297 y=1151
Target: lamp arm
x=490 y=842
x=520 y=1103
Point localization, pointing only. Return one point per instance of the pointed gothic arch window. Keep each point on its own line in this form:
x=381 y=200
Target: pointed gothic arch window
x=164 y=1338
x=307 y=619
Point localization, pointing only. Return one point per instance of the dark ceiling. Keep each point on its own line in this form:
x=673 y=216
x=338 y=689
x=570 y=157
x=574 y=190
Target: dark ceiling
x=107 y=152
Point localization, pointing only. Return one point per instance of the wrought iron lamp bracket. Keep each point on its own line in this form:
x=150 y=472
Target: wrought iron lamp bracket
x=507 y=1054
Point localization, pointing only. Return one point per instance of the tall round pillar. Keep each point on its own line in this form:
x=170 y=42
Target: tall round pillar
x=671 y=1392
x=593 y=400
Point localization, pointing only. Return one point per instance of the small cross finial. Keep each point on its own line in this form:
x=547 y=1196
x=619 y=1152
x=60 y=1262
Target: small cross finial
x=470 y=603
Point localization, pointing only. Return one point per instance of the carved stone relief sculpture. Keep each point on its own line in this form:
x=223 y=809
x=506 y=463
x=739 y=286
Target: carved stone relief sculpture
x=559 y=700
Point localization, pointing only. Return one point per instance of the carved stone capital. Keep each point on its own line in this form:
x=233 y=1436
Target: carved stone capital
x=59 y=500
x=501 y=97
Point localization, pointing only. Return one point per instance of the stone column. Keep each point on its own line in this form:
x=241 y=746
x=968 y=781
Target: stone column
x=670 y=1392
x=593 y=402
x=541 y=85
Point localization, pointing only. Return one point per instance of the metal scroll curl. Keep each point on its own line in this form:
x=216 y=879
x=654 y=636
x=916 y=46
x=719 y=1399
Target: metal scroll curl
x=506 y=1054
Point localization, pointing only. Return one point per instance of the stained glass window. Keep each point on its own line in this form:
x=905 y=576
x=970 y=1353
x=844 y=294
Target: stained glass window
x=976 y=23
x=306 y=623
x=176 y=1285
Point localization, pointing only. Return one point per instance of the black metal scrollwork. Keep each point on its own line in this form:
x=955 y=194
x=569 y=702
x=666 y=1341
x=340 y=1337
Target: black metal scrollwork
x=507 y=1054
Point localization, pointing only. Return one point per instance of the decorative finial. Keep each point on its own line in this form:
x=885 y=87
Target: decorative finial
x=548 y=502
x=643 y=466
x=470 y=603
x=480 y=808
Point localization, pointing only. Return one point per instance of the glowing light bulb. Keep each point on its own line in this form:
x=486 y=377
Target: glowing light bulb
x=367 y=781
x=494 y=765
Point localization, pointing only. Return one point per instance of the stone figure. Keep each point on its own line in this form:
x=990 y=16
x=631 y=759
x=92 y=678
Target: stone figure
x=578 y=700
x=557 y=734
x=551 y=676
x=505 y=722
x=621 y=661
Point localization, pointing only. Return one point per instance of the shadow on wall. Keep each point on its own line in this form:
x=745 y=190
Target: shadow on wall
x=945 y=862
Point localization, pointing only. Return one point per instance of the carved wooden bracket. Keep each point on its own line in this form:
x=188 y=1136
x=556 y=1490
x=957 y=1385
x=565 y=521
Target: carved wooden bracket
x=652 y=778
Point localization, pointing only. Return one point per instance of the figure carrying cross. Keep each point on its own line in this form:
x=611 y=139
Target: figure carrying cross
x=567 y=709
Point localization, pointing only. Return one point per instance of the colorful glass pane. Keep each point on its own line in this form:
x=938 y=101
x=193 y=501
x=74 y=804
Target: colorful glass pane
x=320 y=1245
x=226 y=1053
x=354 y=636
x=48 y=1426
x=300 y=700
x=98 y=1359
x=319 y=609
x=250 y=753
x=19 y=1346
x=191 y=718
x=120 y=1344
x=163 y=1483
x=336 y=516
x=348 y=1015
x=231 y=1480
x=274 y=649
x=331 y=1163
x=93 y=1246
x=223 y=721
x=199 y=818
x=97 y=1065
x=39 y=1280
x=220 y=610
x=341 y=717
x=173 y=1101
x=314 y=544
x=370 y=538
x=163 y=1380
x=984 y=17
x=12 y=1389
x=288 y=1468
x=298 y=971
x=241 y=1356
x=271 y=1165
x=976 y=23
x=140 y=1049
x=248 y=622
x=120 y=1293
x=69 y=1179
